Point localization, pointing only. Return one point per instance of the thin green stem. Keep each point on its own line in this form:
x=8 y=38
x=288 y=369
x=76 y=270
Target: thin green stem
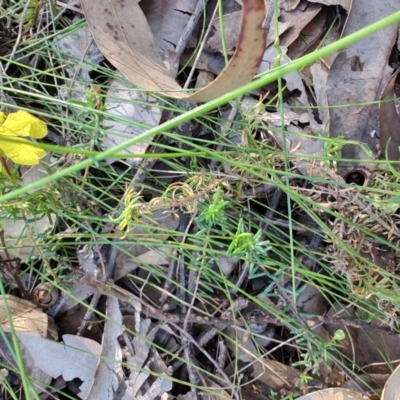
x=222 y=30
x=285 y=150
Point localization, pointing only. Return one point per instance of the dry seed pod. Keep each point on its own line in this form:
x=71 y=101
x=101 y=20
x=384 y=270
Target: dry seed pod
x=45 y=295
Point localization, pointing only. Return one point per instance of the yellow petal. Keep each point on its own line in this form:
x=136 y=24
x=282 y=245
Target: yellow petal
x=2 y=117
x=23 y=123
x=21 y=152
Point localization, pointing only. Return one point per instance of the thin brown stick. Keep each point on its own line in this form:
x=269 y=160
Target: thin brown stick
x=12 y=269
x=111 y=289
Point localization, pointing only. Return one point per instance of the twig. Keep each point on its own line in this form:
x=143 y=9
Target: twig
x=111 y=289
x=19 y=36
x=124 y=295
x=189 y=28
x=188 y=80
x=176 y=261
x=107 y=269
x=12 y=270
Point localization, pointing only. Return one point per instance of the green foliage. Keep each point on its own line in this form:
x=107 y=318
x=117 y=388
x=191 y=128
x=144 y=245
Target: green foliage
x=249 y=247
x=317 y=353
x=87 y=194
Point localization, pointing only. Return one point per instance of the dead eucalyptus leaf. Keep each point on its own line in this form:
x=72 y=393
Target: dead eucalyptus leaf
x=140 y=364
x=357 y=77
x=231 y=23
x=109 y=374
x=392 y=389
x=334 y=394
x=167 y=19
x=275 y=374
x=26 y=317
x=75 y=358
x=389 y=121
x=138 y=109
x=20 y=233
x=346 y=4
x=291 y=25
x=125 y=39
x=75 y=47
x=288 y=5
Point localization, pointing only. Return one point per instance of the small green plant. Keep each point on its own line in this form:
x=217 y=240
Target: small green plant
x=332 y=150
x=304 y=379
x=317 y=353
x=213 y=211
x=133 y=209
x=274 y=396
x=249 y=247
x=222 y=220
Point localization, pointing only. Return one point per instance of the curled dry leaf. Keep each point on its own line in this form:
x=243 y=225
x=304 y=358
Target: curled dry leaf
x=292 y=24
x=123 y=35
x=288 y=5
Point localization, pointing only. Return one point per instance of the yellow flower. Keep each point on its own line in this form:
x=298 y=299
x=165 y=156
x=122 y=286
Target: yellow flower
x=18 y=124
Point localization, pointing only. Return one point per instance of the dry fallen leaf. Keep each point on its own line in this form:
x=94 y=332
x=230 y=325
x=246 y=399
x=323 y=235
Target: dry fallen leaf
x=140 y=363
x=291 y=25
x=109 y=374
x=275 y=374
x=138 y=109
x=41 y=379
x=77 y=357
x=26 y=316
x=123 y=35
x=78 y=54
x=358 y=75
x=18 y=232
x=319 y=76
x=346 y=4
x=288 y=5
x=334 y=394
x=391 y=390
x=374 y=351
x=389 y=121
x=167 y=19
x=130 y=256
